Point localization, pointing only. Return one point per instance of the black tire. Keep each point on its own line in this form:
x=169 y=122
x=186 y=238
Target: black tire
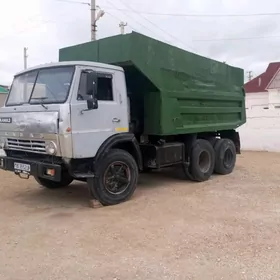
x=66 y=180
x=121 y=184
x=202 y=160
x=213 y=140
x=187 y=173
x=225 y=151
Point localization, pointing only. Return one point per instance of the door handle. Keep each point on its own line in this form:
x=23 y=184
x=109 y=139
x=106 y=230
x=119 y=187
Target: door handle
x=116 y=120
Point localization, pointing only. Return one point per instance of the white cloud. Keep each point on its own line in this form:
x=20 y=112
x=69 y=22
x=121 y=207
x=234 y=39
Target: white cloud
x=44 y=26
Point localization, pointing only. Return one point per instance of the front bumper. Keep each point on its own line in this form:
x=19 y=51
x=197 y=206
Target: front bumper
x=37 y=168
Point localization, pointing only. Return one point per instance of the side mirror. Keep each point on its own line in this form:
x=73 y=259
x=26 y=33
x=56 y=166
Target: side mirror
x=92 y=104
x=91 y=90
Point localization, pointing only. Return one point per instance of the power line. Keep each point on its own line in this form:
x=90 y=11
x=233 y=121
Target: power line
x=115 y=17
x=175 y=14
x=30 y=19
x=74 y=2
x=27 y=29
x=142 y=16
x=164 y=31
x=192 y=15
x=35 y=26
x=236 y=39
x=134 y=19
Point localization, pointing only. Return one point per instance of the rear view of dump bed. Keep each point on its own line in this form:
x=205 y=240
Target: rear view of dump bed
x=176 y=92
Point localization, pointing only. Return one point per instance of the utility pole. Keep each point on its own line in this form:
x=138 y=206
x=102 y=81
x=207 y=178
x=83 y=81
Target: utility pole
x=122 y=25
x=250 y=75
x=93 y=20
x=25 y=57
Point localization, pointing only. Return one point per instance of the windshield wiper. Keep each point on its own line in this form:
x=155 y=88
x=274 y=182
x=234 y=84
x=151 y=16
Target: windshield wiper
x=41 y=103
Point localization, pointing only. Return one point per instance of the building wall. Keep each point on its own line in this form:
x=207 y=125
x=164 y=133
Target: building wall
x=256 y=100
x=274 y=98
x=263 y=100
x=2 y=99
x=261 y=131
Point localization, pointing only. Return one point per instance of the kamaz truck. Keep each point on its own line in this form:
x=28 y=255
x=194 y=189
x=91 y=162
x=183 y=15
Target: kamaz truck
x=115 y=107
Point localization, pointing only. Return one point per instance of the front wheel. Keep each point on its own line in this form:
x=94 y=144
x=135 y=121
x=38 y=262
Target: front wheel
x=66 y=180
x=116 y=178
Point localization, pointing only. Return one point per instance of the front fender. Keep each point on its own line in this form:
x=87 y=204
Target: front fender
x=118 y=139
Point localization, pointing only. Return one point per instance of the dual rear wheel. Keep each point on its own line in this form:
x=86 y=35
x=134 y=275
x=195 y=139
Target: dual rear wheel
x=207 y=158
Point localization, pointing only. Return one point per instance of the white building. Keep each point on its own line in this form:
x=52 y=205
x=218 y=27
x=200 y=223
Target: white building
x=263 y=92
x=262 y=129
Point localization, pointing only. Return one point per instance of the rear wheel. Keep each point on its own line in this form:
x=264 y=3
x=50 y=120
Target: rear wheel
x=202 y=161
x=66 y=180
x=225 y=151
x=116 y=178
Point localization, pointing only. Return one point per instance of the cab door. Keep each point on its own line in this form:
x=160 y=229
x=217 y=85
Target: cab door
x=90 y=128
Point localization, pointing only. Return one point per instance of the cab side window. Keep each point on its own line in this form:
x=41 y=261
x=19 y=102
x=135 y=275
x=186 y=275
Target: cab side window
x=104 y=87
x=82 y=87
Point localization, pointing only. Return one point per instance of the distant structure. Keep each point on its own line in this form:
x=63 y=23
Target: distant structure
x=263 y=91
x=4 y=88
x=250 y=75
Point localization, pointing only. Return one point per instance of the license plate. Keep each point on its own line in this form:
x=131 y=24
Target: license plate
x=22 y=167
x=2 y=153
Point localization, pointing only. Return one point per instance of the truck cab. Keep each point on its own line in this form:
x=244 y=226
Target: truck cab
x=51 y=105
x=60 y=113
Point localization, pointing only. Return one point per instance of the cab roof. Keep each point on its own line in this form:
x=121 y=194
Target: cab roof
x=73 y=63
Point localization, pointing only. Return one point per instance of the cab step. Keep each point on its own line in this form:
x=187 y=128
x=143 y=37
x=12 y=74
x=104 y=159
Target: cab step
x=83 y=175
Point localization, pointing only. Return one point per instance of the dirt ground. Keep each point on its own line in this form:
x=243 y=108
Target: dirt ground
x=227 y=228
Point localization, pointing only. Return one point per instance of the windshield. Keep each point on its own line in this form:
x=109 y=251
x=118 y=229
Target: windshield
x=47 y=85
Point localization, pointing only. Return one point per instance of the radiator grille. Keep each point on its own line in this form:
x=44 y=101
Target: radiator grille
x=35 y=146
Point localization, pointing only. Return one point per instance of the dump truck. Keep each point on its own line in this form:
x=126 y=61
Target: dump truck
x=113 y=108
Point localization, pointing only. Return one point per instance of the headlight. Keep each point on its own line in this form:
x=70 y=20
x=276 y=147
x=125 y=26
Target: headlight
x=2 y=143
x=51 y=148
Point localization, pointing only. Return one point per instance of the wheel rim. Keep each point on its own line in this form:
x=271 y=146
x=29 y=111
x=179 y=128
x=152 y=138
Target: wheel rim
x=204 y=161
x=117 y=178
x=228 y=157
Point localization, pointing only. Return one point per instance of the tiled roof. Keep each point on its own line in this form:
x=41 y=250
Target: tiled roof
x=260 y=83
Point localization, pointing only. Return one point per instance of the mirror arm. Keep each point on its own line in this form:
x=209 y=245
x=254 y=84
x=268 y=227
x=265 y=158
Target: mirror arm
x=87 y=97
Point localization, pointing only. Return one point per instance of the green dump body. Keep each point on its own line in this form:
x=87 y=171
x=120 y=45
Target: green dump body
x=181 y=92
